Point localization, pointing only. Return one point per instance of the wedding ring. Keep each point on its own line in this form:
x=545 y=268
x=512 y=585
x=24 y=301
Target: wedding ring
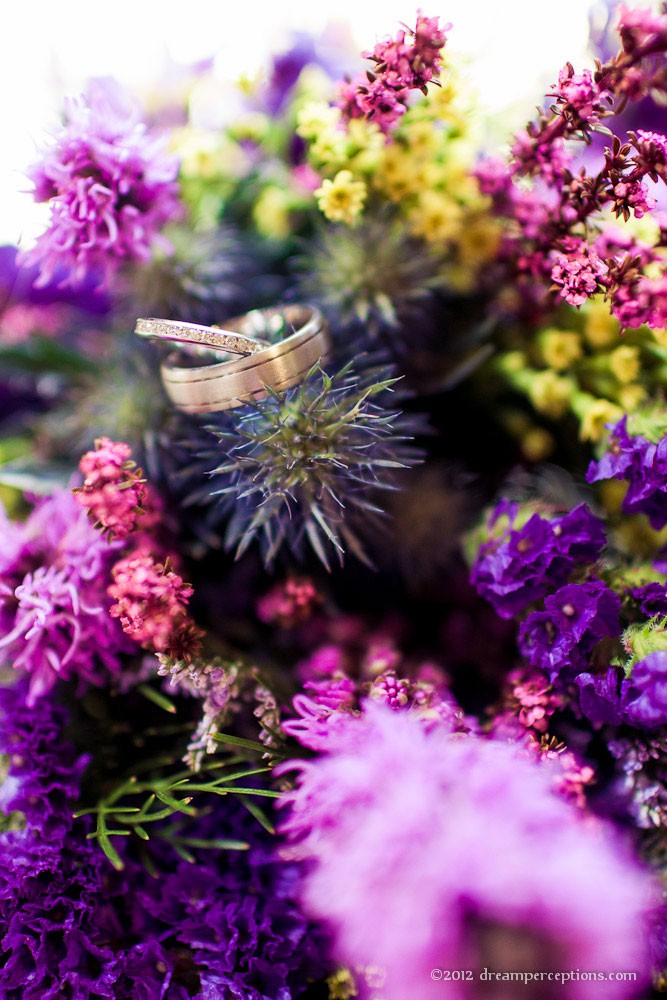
x=302 y=341
x=217 y=338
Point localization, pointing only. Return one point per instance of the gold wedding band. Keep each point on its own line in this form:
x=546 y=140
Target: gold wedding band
x=217 y=338
x=274 y=368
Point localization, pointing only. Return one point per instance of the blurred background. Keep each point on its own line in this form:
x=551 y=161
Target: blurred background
x=513 y=50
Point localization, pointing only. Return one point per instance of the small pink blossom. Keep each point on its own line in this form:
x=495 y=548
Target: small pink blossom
x=578 y=272
x=113 y=491
x=288 y=603
x=151 y=603
x=578 y=94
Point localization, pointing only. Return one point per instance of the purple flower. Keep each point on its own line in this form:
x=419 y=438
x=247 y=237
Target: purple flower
x=600 y=697
x=110 y=185
x=524 y=563
x=645 y=696
x=643 y=464
x=54 y=608
x=575 y=619
x=469 y=836
x=70 y=925
x=652 y=599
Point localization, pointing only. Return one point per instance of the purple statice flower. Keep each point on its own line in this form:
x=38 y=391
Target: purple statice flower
x=643 y=464
x=651 y=598
x=54 y=608
x=578 y=271
x=645 y=696
x=600 y=696
x=641 y=763
x=111 y=187
x=469 y=836
x=523 y=564
x=575 y=619
x=70 y=925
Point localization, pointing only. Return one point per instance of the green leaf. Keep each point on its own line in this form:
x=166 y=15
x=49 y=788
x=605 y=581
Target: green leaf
x=42 y=354
x=238 y=741
x=157 y=698
x=258 y=814
x=32 y=476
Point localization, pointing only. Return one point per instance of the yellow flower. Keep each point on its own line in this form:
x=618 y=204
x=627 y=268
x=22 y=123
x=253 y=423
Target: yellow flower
x=436 y=217
x=625 y=363
x=596 y=415
x=537 y=444
x=631 y=396
x=271 y=213
x=422 y=138
x=315 y=118
x=342 y=199
x=600 y=327
x=478 y=240
x=329 y=150
x=560 y=348
x=398 y=174
x=551 y=394
x=660 y=336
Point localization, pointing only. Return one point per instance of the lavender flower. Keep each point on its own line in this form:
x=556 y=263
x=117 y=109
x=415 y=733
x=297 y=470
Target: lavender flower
x=575 y=619
x=110 y=185
x=518 y=565
x=643 y=464
x=472 y=841
x=54 y=609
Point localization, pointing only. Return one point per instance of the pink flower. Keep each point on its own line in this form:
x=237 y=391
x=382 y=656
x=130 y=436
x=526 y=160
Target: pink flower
x=110 y=185
x=639 y=27
x=151 y=603
x=468 y=834
x=578 y=94
x=400 y=65
x=578 y=272
x=113 y=491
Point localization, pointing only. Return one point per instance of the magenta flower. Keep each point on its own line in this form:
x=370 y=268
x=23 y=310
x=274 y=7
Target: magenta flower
x=54 y=609
x=111 y=187
x=578 y=272
x=471 y=839
x=113 y=491
x=578 y=94
x=409 y=61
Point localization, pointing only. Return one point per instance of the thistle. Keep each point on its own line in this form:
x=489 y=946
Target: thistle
x=366 y=274
x=209 y=276
x=300 y=469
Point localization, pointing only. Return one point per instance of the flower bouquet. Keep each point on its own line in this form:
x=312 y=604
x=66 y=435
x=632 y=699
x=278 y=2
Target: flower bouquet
x=333 y=610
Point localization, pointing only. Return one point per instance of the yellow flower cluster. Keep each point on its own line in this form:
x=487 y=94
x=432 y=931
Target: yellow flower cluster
x=581 y=366
x=422 y=171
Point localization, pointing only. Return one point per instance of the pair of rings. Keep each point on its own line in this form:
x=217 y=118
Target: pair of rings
x=277 y=349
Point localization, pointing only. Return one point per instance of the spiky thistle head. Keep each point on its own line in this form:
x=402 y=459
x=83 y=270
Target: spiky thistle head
x=209 y=276
x=301 y=469
x=366 y=274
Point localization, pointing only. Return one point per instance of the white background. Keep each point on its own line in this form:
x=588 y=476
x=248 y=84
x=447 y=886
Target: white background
x=48 y=49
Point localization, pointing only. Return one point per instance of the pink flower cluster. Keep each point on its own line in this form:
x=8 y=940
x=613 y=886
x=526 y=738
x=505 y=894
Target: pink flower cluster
x=151 y=603
x=111 y=187
x=289 y=603
x=400 y=64
x=113 y=491
x=579 y=272
x=547 y=247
